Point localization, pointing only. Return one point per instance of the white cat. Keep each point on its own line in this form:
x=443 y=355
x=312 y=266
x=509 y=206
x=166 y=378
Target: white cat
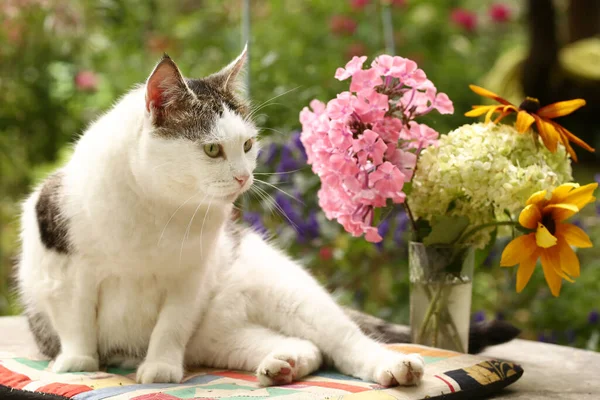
x=130 y=255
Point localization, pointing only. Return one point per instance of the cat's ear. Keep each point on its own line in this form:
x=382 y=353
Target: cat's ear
x=230 y=78
x=164 y=87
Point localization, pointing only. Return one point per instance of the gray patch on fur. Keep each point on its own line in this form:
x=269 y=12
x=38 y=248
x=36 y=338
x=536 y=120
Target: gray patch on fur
x=54 y=231
x=45 y=337
x=191 y=118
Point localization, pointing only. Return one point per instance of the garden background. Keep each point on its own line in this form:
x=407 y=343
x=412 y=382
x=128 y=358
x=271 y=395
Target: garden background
x=63 y=62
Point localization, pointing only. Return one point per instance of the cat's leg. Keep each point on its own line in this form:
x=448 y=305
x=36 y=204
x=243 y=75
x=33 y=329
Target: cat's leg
x=277 y=359
x=176 y=322
x=71 y=308
x=289 y=300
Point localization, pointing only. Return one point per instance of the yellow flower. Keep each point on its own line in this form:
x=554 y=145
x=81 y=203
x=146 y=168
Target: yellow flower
x=528 y=112
x=553 y=238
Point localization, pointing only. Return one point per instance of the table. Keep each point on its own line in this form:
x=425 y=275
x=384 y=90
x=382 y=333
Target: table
x=551 y=371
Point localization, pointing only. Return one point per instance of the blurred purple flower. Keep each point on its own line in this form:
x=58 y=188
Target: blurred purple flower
x=593 y=317
x=597 y=178
x=307 y=229
x=268 y=154
x=401 y=225
x=543 y=338
x=255 y=222
x=479 y=316
x=287 y=161
x=298 y=144
x=383 y=229
x=285 y=203
x=310 y=228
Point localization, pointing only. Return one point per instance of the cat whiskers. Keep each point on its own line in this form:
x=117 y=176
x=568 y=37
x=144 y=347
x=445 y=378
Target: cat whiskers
x=202 y=228
x=172 y=215
x=268 y=103
x=280 y=190
x=263 y=195
x=187 y=231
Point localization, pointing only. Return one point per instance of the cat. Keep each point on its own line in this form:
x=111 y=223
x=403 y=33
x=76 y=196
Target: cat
x=130 y=256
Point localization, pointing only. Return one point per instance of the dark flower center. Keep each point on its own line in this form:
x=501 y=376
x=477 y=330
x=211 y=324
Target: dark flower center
x=530 y=104
x=549 y=223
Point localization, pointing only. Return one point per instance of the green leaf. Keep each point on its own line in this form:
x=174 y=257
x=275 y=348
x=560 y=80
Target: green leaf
x=407 y=188
x=482 y=254
x=423 y=230
x=446 y=229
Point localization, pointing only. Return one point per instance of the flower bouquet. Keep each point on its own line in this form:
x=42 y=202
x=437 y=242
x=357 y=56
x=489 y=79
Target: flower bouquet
x=460 y=191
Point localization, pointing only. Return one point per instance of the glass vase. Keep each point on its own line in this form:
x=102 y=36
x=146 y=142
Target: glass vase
x=440 y=295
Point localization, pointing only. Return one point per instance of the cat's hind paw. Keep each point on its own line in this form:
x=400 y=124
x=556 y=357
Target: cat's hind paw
x=159 y=372
x=75 y=363
x=401 y=369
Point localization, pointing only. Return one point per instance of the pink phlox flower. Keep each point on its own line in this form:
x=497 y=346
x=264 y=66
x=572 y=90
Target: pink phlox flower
x=344 y=163
x=351 y=68
x=342 y=106
x=372 y=235
x=387 y=179
x=443 y=104
x=369 y=145
x=371 y=106
x=388 y=128
x=365 y=80
x=420 y=136
x=340 y=134
x=404 y=160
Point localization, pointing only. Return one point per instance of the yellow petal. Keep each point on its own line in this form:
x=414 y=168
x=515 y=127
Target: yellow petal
x=572 y=137
x=525 y=271
x=543 y=237
x=581 y=196
x=530 y=216
x=569 y=262
x=549 y=135
x=491 y=111
x=537 y=197
x=550 y=265
x=486 y=93
x=478 y=111
x=560 y=109
x=524 y=121
x=562 y=211
x=560 y=193
x=518 y=250
x=574 y=235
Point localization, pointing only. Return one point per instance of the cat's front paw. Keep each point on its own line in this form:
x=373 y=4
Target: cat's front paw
x=75 y=363
x=159 y=372
x=400 y=369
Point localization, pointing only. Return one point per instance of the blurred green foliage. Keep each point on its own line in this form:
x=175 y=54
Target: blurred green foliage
x=65 y=62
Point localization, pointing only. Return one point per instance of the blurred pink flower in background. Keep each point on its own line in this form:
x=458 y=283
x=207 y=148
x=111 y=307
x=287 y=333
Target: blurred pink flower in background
x=499 y=12
x=356 y=49
x=398 y=3
x=464 y=18
x=342 y=25
x=359 y=4
x=86 y=80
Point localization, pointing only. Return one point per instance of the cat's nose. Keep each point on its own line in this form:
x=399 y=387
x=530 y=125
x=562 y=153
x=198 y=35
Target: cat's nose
x=242 y=179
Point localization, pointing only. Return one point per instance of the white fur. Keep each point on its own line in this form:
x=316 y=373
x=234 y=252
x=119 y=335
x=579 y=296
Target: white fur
x=153 y=272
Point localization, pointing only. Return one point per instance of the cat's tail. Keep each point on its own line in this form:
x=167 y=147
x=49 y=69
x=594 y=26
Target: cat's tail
x=481 y=334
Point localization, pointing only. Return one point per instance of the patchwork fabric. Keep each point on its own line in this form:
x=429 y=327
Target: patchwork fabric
x=448 y=375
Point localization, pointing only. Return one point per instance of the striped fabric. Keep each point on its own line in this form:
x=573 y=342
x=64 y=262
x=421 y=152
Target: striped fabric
x=448 y=375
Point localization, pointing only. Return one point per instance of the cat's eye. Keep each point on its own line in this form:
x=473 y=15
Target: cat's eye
x=212 y=150
x=248 y=145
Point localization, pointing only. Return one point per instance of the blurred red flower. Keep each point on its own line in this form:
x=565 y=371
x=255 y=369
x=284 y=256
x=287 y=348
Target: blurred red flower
x=342 y=25
x=325 y=253
x=359 y=4
x=355 y=49
x=86 y=80
x=499 y=12
x=464 y=18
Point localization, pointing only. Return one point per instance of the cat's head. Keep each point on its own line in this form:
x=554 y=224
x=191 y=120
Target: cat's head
x=197 y=138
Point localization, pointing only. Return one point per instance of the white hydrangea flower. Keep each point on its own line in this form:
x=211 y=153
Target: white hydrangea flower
x=484 y=171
